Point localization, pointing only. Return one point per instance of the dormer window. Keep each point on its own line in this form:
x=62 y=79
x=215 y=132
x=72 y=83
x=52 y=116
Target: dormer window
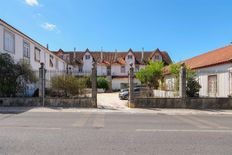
x=129 y=57
x=87 y=57
x=157 y=57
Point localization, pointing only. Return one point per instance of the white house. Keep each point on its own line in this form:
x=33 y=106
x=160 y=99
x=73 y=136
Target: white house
x=114 y=65
x=214 y=72
x=22 y=47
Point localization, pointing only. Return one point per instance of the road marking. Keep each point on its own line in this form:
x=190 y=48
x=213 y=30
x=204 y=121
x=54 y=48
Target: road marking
x=99 y=121
x=28 y=127
x=82 y=120
x=212 y=124
x=191 y=122
x=200 y=131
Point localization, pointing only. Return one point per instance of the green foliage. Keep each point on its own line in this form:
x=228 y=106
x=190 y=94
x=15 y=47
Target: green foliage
x=102 y=83
x=175 y=71
x=151 y=74
x=192 y=87
x=69 y=84
x=13 y=77
x=88 y=82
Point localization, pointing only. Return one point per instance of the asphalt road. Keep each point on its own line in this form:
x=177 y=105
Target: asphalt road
x=106 y=133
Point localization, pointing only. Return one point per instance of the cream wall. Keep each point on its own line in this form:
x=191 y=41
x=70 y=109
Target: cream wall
x=116 y=82
x=87 y=64
x=224 y=81
x=18 y=55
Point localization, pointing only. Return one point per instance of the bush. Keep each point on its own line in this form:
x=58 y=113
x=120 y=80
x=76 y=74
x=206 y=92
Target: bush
x=102 y=83
x=14 y=76
x=69 y=85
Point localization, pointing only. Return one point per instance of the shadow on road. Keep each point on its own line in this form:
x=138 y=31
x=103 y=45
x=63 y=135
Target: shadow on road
x=14 y=110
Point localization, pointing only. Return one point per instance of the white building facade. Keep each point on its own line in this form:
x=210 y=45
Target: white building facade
x=22 y=47
x=114 y=65
x=214 y=73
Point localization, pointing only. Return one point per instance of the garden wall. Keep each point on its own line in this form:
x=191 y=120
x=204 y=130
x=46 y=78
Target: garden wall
x=190 y=103
x=50 y=102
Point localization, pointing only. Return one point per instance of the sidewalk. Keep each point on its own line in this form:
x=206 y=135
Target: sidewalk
x=129 y=111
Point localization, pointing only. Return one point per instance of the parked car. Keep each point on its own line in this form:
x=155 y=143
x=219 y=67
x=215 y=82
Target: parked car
x=124 y=93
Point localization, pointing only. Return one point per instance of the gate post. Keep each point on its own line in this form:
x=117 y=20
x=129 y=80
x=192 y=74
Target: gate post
x=182 y=86
x=94 y=85
x=182 y=89
x=42 y=72
x=131 y=87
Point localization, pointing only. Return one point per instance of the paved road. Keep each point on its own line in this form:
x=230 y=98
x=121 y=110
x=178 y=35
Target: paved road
x=111 y=101
x=116 y=133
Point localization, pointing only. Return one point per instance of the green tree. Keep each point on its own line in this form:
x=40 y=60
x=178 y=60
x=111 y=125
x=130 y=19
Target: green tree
x=192 y=87
x=151 y=74
x=102 y=83
x=14 y=76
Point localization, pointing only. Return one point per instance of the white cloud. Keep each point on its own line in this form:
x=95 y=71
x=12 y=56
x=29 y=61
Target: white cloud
x=32 y=2
x=49 y=26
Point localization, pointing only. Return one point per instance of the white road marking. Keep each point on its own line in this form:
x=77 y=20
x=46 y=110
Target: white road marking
x=173 y=130
x=191 y=122
x=82 y=120
x=32 y=128
x=99 y=121
x=212 y=124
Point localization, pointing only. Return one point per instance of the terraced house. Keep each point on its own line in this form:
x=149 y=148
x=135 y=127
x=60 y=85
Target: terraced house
x=114 y=65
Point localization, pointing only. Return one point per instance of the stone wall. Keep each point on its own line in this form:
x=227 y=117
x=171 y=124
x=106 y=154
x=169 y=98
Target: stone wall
x=50 y=102
x=190 y=103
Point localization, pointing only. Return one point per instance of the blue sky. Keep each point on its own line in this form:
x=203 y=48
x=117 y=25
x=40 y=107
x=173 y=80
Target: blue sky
x=183 y=28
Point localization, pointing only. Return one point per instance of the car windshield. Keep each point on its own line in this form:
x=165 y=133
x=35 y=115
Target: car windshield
x=123 y=90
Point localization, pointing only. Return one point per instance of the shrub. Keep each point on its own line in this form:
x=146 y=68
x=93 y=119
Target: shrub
x=68 y=84
x=14 y=76
x=102 y=83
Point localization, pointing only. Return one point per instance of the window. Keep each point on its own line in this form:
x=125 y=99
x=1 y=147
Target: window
x=26 y=49
x=108 y=70
x=37 y=54
x=129 y=57
x=157 y=57
x=123 y=69
x=57 y=63
x=137 y=68
x=9 y=42
x=80 y=69
x=51 y=64
x=87 y=57
x=212 y=85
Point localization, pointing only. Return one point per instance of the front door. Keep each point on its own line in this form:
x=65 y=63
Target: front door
x=212 y=85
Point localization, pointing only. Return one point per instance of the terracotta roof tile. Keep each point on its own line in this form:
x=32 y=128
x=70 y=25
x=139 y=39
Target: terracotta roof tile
x=115 y=57
x=215 y=57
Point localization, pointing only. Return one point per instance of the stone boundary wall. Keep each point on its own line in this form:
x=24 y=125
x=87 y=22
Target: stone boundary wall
x=49 y=102
x=188 y=103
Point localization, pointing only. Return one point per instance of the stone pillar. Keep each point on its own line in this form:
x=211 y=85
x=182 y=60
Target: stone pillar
x=94 y=85
x=42 y=72
x=109 y=79
x=131 y=87
x=182 y=86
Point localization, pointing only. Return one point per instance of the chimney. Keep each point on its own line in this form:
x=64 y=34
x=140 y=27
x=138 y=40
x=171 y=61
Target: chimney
x=74 y=49
x=101 y=56
x=47 y=46
x=115 y=55
x=142 y=54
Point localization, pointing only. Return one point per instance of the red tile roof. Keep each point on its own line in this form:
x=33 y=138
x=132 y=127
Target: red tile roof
x=115 y=57
x=212 y=58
